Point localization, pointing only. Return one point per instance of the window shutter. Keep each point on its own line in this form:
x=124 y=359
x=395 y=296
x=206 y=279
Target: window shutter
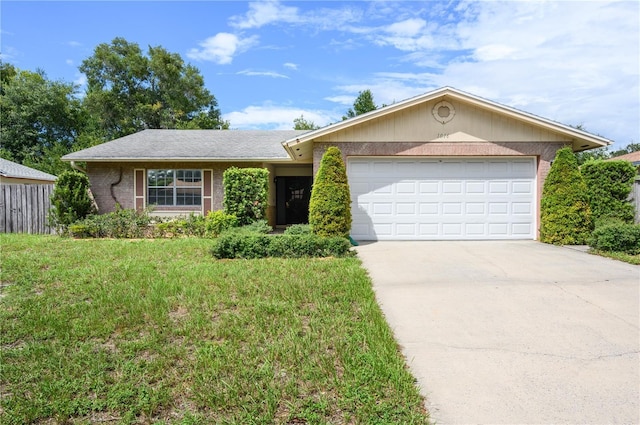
x=139 y=189
x=207 y=191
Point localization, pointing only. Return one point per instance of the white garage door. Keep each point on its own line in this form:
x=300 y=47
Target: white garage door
x=442 y=198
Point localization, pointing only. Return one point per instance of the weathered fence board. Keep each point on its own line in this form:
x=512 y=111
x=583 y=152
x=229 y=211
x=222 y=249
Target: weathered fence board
x=24 y=208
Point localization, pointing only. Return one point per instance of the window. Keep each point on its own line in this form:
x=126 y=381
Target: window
x=174 y=187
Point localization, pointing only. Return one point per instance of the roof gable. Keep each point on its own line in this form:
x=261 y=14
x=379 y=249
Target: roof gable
x=470 y=119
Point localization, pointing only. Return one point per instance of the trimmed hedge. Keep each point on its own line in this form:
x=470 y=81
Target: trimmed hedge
x=246 y=193
x=609 y=184
x=565 y=216
x=252 y=245
x=330 y=204
x=616 y=236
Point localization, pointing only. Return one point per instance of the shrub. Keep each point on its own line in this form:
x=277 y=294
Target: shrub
x=192 y=225
x=121 y=224
x=565 y=217
x=245 y=193
x=219 y=221
x=330 y=204
x=616 y=236
x=298 y=229
x=70 y=200
x=609 y=184
x=243 y=245
x=258 y=226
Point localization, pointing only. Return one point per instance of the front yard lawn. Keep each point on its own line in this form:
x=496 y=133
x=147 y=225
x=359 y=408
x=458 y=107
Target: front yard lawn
x=157 y=331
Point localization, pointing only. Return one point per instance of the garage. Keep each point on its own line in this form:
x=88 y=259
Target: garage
x=446 y=198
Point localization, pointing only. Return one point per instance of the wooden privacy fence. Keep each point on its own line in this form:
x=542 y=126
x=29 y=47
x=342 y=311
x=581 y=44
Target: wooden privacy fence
x=24 y=208
x=635 y=195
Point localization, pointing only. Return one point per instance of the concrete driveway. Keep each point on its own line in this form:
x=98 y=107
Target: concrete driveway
x=513 y=332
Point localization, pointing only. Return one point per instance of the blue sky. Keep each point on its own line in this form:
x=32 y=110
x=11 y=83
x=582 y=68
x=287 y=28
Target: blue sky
x=268 y=62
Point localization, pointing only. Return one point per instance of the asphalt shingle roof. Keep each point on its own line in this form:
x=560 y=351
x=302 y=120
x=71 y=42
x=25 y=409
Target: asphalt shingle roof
x=15 y=170
x=191 y=145
x=633 y=157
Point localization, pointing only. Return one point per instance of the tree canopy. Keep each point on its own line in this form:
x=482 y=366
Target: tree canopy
x=301 y=123
x=130 y=91
x=364 y=103
x=127 y=91
x=38 y=116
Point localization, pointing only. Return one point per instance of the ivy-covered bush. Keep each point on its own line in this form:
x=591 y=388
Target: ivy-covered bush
x=330 y=204
x=616 y=236
x=609 y=184
x=252 y=245
x=70 y=200
x=565 y=216
x=246 y=193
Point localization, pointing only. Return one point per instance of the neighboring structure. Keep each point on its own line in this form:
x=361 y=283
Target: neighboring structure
x=13 y=173
x=443 y=165
x=633 y=157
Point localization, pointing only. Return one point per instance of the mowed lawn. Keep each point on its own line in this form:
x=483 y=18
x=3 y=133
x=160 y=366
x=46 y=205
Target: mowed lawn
x=157 y=331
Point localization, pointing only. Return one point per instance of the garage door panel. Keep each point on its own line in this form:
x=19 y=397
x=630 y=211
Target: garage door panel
x=431 y=198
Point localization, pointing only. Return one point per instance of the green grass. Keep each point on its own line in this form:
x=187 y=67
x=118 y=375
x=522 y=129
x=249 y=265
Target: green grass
x=620 y=256
x=157 y=331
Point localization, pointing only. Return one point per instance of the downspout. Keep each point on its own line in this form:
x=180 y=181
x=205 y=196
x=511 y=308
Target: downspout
x=77 y=167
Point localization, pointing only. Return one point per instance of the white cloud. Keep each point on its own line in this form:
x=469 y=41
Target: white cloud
x=69 y=62
x=276 y=117
x=221 y=48
x=265 y=12
x=250 y=73
x=74 y=44
x=292 y=66
x=80 y=80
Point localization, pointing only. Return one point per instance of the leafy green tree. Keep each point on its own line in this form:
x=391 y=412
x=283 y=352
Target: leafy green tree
x=302 y=124
x=564 y=210
x=129 y=91
x=40 y=118
x=330 y=204
x=609 y=184
x=364 y=103
x=70 y=200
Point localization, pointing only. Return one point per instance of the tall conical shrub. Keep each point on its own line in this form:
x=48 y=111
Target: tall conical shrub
x=330 y=204
x=70 y=200
x=565 y=216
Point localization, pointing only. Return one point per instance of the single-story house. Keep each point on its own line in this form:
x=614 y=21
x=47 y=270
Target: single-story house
x=442 y=165
x=14 y=173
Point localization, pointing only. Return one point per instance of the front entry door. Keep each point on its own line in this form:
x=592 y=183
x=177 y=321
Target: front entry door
x=292 y=199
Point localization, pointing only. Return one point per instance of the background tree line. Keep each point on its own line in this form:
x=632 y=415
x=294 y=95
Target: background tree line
x=128 y=90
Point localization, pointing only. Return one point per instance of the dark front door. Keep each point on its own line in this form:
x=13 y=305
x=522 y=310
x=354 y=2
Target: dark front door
x=292 y=199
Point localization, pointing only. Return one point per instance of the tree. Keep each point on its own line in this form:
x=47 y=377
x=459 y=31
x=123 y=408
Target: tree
x=609 y=184
x=364 y=103
x=330 y=204
x=302 y=124
x=565 y=216
x=129 y=91
x=41 y=119
x=70 y=200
